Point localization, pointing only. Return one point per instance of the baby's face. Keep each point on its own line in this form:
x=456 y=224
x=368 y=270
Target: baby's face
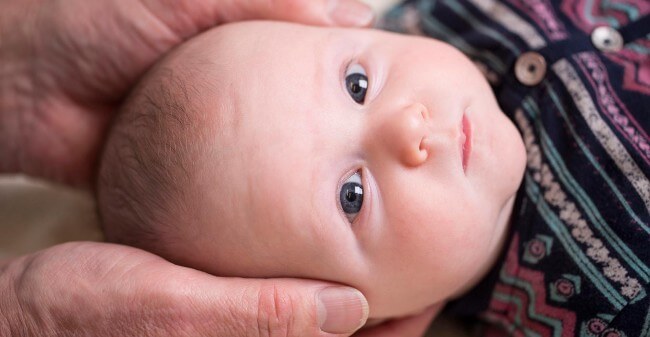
x=356 y=156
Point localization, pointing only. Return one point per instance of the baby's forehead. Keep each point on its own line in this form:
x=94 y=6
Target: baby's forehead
x=238 y=70
x=238 y=73
x=221 y=65
x=239 y=42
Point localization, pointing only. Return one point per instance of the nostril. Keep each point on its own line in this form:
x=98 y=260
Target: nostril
x=425 y=113
x=424 y=148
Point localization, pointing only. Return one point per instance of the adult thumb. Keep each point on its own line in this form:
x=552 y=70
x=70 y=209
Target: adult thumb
x=291 y=307
x=346 y=13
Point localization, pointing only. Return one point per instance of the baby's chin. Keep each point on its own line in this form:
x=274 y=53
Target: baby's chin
x=373 y=322
x=433 y=310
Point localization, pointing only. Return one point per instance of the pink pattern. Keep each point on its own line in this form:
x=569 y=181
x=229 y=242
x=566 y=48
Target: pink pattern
x=505 y=312
x=541 y=11
x=636 y=69
x=636 y=66
x=611 y=105
x=576 y=9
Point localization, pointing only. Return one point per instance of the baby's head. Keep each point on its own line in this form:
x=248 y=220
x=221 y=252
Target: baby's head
x=361 y=157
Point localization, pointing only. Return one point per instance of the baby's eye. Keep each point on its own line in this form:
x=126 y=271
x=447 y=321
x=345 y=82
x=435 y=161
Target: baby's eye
x=356 y=81
x=351 y=196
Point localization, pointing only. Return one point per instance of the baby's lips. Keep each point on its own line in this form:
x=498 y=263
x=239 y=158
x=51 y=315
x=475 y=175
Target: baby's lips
x=466 y=141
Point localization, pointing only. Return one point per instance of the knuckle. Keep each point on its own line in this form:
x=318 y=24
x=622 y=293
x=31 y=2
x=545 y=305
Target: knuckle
x=276 y=312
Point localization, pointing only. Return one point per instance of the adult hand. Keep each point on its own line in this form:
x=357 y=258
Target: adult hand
x=65 y=66
x=97 y=289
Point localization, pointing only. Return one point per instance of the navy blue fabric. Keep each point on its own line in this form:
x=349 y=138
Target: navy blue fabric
x=578 y=257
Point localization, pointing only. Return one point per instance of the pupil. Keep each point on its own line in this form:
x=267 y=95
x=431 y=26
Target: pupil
x=356 y=84
x=350 y=196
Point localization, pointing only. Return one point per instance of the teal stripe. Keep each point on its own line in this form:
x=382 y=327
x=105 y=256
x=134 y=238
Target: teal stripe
x=583 y=200
x=450 y=36
x=631 y=11
x=645 y=332
x=585 y=265
x=526 y=286
x=518 y=325
x=638 y=48
x=480 y=27
x=596 y=20
x=592 y=212
x=592 y=160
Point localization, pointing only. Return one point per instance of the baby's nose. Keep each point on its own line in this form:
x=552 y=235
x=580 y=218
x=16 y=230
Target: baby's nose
x=405 y=133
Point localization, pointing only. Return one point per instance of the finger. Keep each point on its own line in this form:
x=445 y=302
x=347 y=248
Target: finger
x=188 y=17
x=347 y=13
x=278 y=307
x=412 y=326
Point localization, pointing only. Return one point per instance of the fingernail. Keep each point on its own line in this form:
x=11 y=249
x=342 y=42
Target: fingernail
x=351 y=13
x=341 y=310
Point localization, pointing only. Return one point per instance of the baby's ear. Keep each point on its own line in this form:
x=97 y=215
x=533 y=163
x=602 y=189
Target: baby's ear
x=346 y=13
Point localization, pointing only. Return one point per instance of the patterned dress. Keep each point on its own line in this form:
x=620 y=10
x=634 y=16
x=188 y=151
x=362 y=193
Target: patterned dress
x=574 y=76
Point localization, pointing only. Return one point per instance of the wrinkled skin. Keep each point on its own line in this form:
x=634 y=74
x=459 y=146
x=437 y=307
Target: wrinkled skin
x=97 y=289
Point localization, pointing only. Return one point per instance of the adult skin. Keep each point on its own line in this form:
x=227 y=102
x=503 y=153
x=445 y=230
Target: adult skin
x=65 y=65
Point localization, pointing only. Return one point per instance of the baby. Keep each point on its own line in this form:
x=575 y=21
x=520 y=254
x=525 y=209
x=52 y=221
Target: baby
x=367 y=158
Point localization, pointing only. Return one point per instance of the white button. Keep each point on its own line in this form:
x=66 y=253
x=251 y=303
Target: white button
x=530 y=68
x=607 y=39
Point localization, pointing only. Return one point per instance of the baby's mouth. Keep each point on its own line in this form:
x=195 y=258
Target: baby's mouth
x=465 y=141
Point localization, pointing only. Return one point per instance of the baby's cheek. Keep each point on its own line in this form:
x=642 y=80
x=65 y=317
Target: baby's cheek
x=457 y=246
